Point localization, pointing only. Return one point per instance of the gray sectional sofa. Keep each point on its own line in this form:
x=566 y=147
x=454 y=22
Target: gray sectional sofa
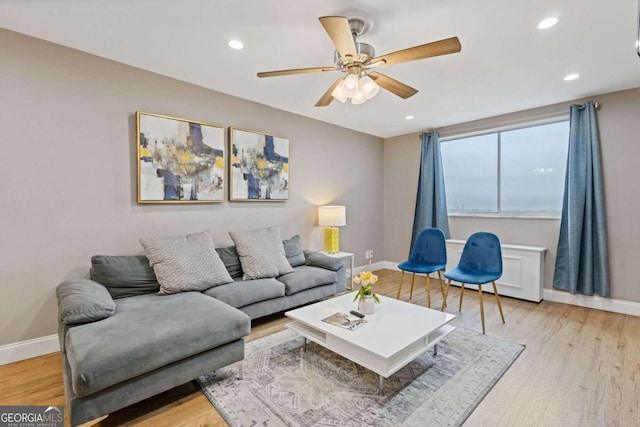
x=122 y=342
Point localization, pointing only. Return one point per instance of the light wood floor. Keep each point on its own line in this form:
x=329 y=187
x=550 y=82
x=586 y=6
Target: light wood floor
x=581 y=367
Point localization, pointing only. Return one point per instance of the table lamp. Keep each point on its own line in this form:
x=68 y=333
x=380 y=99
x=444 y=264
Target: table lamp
x=332 y=217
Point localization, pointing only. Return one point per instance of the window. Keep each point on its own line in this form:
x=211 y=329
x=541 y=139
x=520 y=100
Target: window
x=511 y=171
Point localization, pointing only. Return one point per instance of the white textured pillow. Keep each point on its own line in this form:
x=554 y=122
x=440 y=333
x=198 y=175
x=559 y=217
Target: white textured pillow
x=185 y=263
x=261 y=253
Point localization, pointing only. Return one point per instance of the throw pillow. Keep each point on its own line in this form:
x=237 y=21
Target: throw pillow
x=124 y=275
x=261 y=253
x=231 y=259
x=293 y=251
x=185 y=263
x=83 y=301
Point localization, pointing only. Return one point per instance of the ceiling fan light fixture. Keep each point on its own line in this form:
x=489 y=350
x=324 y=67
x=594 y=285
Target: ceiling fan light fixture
x=369 y=87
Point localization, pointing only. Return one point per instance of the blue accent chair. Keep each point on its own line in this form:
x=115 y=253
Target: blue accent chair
x=428 y=255
x=480 y=264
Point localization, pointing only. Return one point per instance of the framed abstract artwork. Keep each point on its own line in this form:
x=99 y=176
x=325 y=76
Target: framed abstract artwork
x=258 y=166
x=179 y=160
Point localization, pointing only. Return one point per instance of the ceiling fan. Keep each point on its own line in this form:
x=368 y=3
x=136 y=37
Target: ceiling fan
x=357 y=59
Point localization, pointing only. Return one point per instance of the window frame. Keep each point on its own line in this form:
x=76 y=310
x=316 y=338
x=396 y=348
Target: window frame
x=553 y=215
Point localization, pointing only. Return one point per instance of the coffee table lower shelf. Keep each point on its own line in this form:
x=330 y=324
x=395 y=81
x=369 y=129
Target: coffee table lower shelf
x=384 y=366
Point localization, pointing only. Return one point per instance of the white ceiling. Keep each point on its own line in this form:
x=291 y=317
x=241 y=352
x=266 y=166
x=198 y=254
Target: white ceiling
x=506 y=63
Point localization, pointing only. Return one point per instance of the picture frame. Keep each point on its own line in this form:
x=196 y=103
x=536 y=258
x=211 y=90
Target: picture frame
x=258 y=166
x=179 y=160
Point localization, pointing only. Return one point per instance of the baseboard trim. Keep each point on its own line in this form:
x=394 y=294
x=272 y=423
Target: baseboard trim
x=389 y=265
x=596 y=302
x=370 y=267
x=22 y=350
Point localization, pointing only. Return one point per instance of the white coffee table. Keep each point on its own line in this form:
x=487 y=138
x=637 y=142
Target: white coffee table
x=395 y=335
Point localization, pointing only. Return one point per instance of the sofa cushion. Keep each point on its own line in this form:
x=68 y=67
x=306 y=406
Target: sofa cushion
x=83 y=301
x=261 y=253
x=185 y=263
x=247 y=292
x=306 y=277
x=231 y=260
x=146 y=333
x=124 y=276
x=293 y=251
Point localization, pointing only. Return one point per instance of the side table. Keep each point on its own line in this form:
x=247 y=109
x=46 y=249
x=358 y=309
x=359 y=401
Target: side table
x=344 y=256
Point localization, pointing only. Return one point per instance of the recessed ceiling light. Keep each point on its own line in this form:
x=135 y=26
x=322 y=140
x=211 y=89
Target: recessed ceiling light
x=236 y=44
x=570 y=77
x=547 y=23
x=409 y=117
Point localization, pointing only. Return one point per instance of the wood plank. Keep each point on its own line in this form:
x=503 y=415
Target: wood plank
x=580 y=367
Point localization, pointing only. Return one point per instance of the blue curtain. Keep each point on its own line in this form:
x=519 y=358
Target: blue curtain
x=431 y=200
x=582 y=262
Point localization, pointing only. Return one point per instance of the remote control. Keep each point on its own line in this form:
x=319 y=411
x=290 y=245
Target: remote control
x=357 y=314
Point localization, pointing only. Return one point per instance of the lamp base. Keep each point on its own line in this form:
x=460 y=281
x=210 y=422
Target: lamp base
x=332 y=240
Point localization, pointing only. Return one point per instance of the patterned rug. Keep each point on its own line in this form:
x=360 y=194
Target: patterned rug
x=283 y=386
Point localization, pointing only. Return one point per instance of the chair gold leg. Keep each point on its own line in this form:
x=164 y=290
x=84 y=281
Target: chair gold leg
x=495 y=292
x=481 y=306
x=461 y=295
x=400 y=287
x=444 y=298
x=413 y=278
x=428 y=292
x=442 y=288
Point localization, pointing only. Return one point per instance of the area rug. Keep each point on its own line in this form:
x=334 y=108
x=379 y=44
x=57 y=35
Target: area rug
x=283 y=386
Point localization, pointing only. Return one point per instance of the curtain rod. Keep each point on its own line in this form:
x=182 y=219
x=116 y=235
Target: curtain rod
x=596 y=105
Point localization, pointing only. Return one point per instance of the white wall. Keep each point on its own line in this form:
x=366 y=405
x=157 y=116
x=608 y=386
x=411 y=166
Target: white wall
x=67 y=139
x=619 y=132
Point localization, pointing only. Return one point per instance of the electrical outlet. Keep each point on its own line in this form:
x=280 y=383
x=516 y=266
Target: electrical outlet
x=368 y=254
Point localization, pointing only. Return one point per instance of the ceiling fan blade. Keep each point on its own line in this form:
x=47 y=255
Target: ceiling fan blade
x=340 y=33
x=442 y=47
x=397 y=88
x=296 y=71
x=327 y=97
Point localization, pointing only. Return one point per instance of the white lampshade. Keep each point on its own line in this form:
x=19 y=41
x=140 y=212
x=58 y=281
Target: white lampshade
x=369 y=87
x=350 y=85
x=338 y=92
x=359 y=98
x=332 y=216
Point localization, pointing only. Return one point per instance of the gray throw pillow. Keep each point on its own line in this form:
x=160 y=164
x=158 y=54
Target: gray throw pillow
x=293 y=251
x=231 y=259
x=124 y=275
x=185 y=263
x=261 y=253
x=83 y=301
